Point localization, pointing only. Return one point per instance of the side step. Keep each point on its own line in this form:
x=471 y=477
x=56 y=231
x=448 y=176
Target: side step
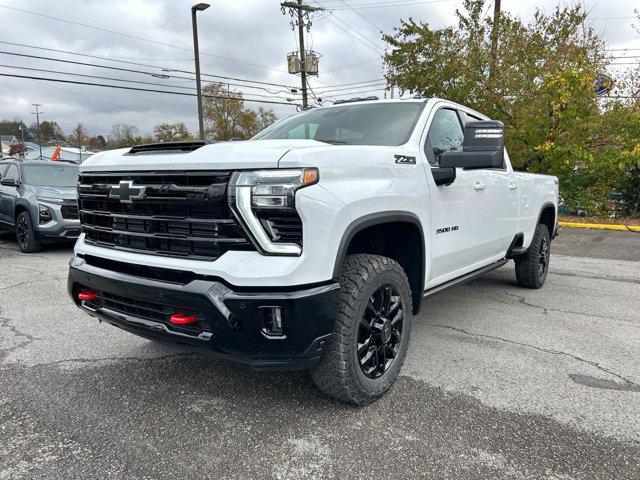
x=464 y=278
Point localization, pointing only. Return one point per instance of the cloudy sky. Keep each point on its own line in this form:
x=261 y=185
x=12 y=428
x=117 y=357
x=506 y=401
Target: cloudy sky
x=244 y=39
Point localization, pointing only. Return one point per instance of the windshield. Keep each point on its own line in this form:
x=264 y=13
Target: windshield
x=364 y=124
x=50 y=175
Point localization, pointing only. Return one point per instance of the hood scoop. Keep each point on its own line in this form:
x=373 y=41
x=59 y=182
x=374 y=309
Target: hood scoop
x=166 y=147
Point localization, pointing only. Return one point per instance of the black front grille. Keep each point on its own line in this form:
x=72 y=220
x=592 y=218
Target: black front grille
x=70 y=212
x=181 y=214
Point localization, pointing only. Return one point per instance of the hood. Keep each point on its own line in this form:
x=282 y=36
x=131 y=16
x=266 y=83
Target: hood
x=217 y=156
x=64 y=193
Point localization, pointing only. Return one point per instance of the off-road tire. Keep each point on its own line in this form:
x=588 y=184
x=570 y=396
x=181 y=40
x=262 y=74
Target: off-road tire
x=25 y=236
x=339 y=373
x=529 y=273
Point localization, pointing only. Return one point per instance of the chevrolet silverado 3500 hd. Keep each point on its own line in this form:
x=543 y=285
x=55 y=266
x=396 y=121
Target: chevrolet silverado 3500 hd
x=312 y=245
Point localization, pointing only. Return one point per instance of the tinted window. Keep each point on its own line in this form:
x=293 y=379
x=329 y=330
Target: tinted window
x=445 y=135
x=364 y=124
x=12 y=172
x=3 y=168
x=50 y=175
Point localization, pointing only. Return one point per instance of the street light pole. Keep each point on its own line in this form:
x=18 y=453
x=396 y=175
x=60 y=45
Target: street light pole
x=196 y=51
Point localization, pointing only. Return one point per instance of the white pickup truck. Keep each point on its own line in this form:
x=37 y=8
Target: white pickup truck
x=312 y=245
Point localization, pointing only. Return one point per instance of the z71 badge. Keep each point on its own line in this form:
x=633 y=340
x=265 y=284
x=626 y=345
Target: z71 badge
x=446 y=229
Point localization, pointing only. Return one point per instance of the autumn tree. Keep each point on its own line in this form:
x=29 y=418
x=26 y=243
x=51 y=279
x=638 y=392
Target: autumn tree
x=78 y=136
x=171 y=132
x=226 y=117
x=124 y=135
x=542 y=89
x=266 y=118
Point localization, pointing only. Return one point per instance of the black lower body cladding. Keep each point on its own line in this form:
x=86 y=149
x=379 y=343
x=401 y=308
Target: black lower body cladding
x=229 y=324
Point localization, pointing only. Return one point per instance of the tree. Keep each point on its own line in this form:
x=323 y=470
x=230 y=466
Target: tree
x=225 y=116
x=12 y=127
x=17 y=150
x=266 y=118
x=123 y=135
x=49 y=130
x=78 y=137
x=171 y=132
x=542 y=89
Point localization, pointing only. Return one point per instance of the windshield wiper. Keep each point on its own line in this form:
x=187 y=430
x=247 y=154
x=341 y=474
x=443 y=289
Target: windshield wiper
x=334 y=141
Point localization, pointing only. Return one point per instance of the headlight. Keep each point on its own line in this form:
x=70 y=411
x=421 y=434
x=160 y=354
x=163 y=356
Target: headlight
x=261 y=191
x=45 y=213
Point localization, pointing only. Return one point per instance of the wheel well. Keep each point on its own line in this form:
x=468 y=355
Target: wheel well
x=19 y=210
x=401 y=241
x=548 y=218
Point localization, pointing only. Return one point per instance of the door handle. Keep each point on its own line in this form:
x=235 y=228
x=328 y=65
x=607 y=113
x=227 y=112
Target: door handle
x=479 y=186
x=513 y=186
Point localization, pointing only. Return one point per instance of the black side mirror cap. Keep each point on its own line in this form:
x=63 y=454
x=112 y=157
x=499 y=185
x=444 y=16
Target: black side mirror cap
x=483 y=147
x=443 y=176
x=8 y=182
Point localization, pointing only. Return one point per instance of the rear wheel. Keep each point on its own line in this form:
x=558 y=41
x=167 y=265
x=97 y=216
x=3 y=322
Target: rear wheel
x=371 y=336
x=25 y=235
x=533 y=266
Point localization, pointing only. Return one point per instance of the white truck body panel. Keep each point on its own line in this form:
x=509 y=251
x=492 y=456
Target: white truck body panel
x=488 y=207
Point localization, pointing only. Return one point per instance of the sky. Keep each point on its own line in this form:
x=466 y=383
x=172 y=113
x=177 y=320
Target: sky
x=244 y=39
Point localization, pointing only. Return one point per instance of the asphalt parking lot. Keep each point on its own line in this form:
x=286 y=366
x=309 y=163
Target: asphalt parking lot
x=500 y=382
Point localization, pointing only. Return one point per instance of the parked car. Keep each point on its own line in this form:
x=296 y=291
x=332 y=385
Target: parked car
x=38 y=202
x=312 y=245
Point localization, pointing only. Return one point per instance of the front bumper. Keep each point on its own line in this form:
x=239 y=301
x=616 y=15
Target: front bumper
x=58 y=228
x=230 y=323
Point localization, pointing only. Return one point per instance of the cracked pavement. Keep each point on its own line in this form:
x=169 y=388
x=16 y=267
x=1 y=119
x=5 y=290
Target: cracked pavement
x=499 y=382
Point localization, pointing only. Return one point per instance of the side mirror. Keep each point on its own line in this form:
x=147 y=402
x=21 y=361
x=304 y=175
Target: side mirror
x=483 y=147
x=8 y=182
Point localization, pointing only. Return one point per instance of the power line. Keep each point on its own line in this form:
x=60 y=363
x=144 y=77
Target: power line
x=392 y=5
x=128 y=107
x=376 y=80
x=140 y=82
x=137 y=37
x=360 y=15
x=110 y=59
x=331 y=90
x=110 y=67
x=352 y=65
x=221 y=97
x=374 y=48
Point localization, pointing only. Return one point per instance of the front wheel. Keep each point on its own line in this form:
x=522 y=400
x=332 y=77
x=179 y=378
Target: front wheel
x=371 y=335
x=532 y=267
x=25 y=235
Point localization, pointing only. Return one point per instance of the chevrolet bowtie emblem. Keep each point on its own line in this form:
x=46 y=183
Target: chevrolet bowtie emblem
x=126 y=191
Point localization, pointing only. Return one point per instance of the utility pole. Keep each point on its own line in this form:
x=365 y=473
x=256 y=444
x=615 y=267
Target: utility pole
x=494 y=37
x=80 y=143
x=199 y=7
x=302 y=11
x=37 y=114
x=22 y=136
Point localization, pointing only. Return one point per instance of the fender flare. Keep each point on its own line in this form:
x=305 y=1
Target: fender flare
x=380 y=218
x=555 y=220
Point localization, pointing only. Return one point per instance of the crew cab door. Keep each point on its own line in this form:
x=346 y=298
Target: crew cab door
x=458 y=210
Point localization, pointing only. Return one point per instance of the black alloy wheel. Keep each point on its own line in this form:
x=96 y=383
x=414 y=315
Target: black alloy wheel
x=543 y=262
x=22 y=232
x=380 y=331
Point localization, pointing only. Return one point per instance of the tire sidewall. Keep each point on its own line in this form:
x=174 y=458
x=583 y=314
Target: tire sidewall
x=543 y=233
x=377 y=386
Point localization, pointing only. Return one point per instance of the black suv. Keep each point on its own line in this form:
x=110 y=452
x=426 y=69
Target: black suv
x=38 y=202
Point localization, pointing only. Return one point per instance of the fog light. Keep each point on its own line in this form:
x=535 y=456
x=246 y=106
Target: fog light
x=272 y=321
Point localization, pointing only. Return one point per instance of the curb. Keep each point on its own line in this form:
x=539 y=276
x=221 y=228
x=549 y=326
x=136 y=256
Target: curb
x=601 y=226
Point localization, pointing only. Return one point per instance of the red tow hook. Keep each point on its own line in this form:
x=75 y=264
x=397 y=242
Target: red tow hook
x=87 y=296
x=182 y=319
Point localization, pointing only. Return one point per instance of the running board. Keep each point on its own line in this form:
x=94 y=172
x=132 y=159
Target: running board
x=464 y=278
